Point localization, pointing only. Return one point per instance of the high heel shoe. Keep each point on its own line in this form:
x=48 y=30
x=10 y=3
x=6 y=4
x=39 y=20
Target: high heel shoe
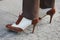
x=21 y=24
x=45 y=12
x=51 y=13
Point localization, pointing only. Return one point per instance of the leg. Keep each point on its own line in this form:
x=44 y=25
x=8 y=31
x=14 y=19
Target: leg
x=30 y=8
x=29 y=16
x=46 y=4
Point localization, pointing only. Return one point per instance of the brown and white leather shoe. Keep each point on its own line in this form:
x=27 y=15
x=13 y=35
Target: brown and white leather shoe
x=45 y=12
x=21 y=24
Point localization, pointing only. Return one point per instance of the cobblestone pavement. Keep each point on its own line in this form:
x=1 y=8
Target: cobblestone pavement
x=43 y=31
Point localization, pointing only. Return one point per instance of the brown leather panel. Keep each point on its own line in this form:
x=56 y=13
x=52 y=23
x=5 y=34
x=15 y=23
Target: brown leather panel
x=19 y=19
x=13 y=28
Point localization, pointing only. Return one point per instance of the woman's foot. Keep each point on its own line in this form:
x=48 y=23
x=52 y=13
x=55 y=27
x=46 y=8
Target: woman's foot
x=22 y=23
x=42 y=12
x=48 y=11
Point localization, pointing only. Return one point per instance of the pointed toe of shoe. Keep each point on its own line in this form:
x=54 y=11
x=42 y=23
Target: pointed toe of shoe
x=16 y=29
x=8 y=25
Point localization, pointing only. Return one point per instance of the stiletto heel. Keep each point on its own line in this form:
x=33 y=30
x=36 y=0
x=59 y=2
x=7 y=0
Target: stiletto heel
x=51 y=13
x=51 y=16
x=34 y=22
x=33 y=28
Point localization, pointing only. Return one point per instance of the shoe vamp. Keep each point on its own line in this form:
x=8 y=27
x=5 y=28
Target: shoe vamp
x=23 y=24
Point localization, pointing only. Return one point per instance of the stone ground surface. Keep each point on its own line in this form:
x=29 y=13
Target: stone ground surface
x=43 y=31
